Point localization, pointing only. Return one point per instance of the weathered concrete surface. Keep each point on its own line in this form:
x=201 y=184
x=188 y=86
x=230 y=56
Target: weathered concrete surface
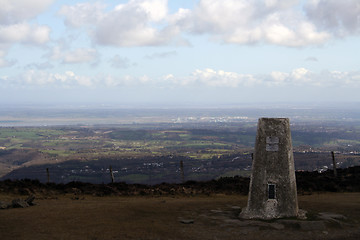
x=273 y=164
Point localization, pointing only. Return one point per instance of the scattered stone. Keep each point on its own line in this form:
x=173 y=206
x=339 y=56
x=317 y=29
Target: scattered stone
x=30 y=200
x=4 y=205
x=187 y=221
x=302 y=214
x=216 y=211
x=331 y=216
x=19 y=203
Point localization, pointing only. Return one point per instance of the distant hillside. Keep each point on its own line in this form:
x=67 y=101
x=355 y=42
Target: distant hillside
x=307 y=183
x=151 y=153
x=158 y=169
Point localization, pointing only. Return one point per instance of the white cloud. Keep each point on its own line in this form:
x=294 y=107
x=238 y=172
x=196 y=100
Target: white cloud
x=144 y=79
x=219 y=17
x=168 y=77
x=124 y=81
x=114 y=81
x=278 y=22
x=339 y=17
x=16 y=11
x=221 y=78
x=277 y=30
x=42 y=78
x=33 y=77
x=129 y=24
x=279 y=77
x=25 y=33
x=155 y=9
x=80 y=55
x=209 y=78
x=339 y=79
x=14 y=27
x=70 y=79
x=246 y=22
x=280 y=4
x=299 y=73
x=82 y=14
x=299 y=77
x=212 y=78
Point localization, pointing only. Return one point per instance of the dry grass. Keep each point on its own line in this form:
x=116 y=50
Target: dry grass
x=149 y=217
x=347 y=204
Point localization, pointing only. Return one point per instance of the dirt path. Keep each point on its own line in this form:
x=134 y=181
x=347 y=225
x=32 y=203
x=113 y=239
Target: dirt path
x=213 y=217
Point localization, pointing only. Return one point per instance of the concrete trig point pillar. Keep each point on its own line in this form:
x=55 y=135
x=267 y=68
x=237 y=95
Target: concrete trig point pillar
x=272 y=192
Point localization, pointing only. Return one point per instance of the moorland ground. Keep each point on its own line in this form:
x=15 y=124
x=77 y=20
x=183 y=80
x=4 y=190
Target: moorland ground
x=214 y=217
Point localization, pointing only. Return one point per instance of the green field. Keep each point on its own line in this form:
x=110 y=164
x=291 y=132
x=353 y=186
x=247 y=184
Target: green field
x=67 y=142
x=205 y=148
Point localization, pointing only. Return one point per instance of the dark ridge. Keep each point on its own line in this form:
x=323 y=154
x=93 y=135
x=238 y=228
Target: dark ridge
x=307 y=182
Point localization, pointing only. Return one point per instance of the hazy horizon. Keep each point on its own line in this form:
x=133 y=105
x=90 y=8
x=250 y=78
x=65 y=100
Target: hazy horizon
x=183 y=104
x=105 y=114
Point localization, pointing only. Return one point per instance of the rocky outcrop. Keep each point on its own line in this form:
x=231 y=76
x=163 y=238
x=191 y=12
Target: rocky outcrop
x=18 y=203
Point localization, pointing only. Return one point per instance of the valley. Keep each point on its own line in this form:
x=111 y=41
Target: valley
x=151 y=153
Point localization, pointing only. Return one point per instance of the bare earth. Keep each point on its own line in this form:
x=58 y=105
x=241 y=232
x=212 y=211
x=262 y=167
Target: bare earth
x=200 y=217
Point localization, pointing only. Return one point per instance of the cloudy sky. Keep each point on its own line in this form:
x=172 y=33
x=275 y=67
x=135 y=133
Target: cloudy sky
x=204 y=52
